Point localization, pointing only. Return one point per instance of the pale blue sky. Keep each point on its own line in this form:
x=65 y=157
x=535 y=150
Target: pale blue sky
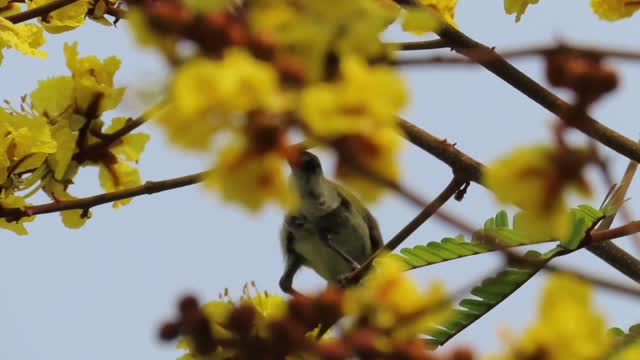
x=100 y=292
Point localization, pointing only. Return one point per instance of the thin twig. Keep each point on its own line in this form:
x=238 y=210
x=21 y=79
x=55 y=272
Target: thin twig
x=39 y=11
x=419 y=45
x=150 y=187
x=460 y=163
x=598 y=281
x=615 y=233
x=107 y=140
x=431 y=209
x=586 y=51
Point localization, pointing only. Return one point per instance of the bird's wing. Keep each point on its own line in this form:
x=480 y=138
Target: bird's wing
x=375 y=237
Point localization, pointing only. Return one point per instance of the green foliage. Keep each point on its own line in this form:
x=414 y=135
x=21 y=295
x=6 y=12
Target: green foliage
x=497 y=233
x=491 y=292
x=623 y=340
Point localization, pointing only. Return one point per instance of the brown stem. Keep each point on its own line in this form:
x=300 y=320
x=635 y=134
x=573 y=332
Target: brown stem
x=598 y=281
x=538 y=93
x=444 y=196
x=615 y=233
x=509 y=54
x=150 y=187
x=459 y=162
x=108 y=139
x=39 y=11
x=419 y=45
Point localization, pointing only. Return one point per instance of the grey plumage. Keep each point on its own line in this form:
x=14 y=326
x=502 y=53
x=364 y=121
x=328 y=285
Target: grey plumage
x=331 y=232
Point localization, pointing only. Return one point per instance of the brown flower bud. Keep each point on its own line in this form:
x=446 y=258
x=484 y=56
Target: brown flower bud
x=169 y=331
x=242 y=319
x=286 y=335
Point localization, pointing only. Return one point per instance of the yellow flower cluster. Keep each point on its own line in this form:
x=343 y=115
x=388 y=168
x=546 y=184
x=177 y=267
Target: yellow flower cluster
x=537 y=179
x=26 y=38
x=242 y=108
x=60 y=130
x=383 y=316
x=268 y=307
x=391 y=301
x=612 y=10
x=213 y=95
x=313 y=31
x=568 y=327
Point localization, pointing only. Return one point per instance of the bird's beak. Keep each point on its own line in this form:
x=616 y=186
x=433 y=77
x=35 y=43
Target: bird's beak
x=293 y=156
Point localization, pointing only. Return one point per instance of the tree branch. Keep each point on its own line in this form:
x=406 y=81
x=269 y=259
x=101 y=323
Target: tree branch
x=615 y=233
x=419 y=45
x=464 y=164
x=478 y=52
x=444 y=196
x=107 y=140
x=148 y=188
x=39 y=11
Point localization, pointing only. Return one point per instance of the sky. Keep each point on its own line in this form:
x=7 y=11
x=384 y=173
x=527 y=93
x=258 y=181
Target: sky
x=100 y=292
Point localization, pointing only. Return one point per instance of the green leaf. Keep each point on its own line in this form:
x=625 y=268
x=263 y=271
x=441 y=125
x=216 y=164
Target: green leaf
x=623 y=340
x=497 y=229
x=491 y=292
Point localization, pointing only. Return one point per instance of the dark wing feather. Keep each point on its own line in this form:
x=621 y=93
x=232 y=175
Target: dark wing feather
x=375 y=237
x=374 y=231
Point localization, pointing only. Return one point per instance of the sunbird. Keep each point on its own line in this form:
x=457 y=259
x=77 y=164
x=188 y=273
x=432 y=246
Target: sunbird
x=331 y=231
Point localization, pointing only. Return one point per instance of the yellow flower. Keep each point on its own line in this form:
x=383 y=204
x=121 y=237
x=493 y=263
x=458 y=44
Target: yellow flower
x=420 y=20
x=119 y=176
x=64 y=19
x=13 y=201
x=236 y=84
x=391 y=300
x=130 y=146
x=26 y=38
x=25 y=143
x=378 y=152
x=536 y=179
x=364 y=100
x=268 y=307
x=7 y=8
x=208 y=95
x=60 y=160
x=93 y=81
x=57 y=190
x=54 y=97
x=250 y=179
x=309 y=30
x=517 y=7
x=612 y=10
x=568 y=326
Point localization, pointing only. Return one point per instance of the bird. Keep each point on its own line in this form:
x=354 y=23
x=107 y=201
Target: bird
x=330 y=231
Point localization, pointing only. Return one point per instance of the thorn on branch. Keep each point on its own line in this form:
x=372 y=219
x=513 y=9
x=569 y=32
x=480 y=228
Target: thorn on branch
x=85 y=213
x=462 y=191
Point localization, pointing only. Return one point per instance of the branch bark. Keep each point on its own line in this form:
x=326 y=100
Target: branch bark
x=39 y=11
x=495 y=63
x=148 y=188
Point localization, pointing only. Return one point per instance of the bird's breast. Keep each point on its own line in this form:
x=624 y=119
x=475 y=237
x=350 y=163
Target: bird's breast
x=345 y=229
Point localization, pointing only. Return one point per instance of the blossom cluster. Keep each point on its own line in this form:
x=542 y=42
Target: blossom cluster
x=381 y=319
x=264 y=73
x=58 y=129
